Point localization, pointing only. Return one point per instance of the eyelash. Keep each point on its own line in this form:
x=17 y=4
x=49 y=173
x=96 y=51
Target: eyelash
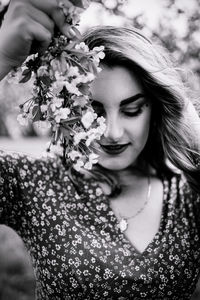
x=101 y=112
x=133 y=114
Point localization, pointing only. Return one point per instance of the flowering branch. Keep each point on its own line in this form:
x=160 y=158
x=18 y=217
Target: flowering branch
x=61 y=94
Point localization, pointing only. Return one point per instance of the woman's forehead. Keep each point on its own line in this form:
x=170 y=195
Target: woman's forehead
x=115 y=85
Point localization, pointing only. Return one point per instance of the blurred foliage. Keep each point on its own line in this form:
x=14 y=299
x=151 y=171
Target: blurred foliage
x=113 y=6
x=178 y=31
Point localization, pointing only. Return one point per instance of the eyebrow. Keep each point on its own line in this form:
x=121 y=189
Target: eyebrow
x=123 y=102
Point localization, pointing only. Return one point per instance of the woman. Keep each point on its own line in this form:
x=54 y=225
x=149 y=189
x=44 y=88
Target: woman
x=129 y=230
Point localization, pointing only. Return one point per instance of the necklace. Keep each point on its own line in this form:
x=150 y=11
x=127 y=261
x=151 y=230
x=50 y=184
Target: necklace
x=123 y=223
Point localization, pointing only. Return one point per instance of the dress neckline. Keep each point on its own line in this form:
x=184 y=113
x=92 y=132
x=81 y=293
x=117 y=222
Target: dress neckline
x=120 y=236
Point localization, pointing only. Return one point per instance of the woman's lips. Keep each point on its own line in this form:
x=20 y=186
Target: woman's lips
x=114 y=149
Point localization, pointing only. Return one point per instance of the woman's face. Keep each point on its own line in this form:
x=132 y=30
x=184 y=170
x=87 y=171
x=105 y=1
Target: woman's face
x=118 y=96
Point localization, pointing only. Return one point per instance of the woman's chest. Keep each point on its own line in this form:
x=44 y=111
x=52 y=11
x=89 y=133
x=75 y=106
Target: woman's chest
x=95 y=257
x=139 y=213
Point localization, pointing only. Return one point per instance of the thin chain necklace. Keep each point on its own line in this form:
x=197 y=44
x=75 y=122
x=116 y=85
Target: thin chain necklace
x=123 y=222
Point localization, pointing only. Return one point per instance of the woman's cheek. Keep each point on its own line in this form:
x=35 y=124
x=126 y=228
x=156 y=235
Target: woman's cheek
x=138 y=129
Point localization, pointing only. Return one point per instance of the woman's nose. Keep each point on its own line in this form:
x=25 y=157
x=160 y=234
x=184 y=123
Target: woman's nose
x=114 y=129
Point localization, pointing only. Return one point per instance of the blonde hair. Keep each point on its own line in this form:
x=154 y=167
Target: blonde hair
x=172 y=136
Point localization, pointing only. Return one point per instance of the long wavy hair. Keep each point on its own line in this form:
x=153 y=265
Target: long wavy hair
x=172 y=137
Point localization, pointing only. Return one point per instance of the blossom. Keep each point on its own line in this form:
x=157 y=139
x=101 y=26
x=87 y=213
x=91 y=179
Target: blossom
x=80 y=101
x=42 y=71
x=31 y=57
x=23 y=119
x=88 y=77
x=97 y=132
x=43 y=108
x=57 y=149
x=14 y=77
x=61 y=114
x=79 y=136
x=72 y=88
x=74 y=154
x=56 y=65
x=78 y=165
x=44 y=125
x=56 y=103
x=82 y=46
x=88 y=118
x=99 y=54
x=73 y=71
x=93 y=159
x=102 y=125
x=91 y=136
x=61 y=81
x=98 y=48
x=74 y=12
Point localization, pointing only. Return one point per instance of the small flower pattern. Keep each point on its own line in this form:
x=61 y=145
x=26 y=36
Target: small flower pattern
x=77 y=248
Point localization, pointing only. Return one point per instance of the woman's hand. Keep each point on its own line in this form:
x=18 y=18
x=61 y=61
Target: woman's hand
x=28 y=27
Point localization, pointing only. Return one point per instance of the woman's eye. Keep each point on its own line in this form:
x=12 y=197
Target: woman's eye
x=132 y=113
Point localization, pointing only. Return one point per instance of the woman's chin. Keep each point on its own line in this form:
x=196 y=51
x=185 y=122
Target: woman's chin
x=114 y=164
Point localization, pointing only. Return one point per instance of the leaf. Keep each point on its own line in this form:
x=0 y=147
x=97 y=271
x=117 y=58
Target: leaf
x=26 y=78
x=57 y=135
x=65 y=132
x=70 y=46
x=84 y=60
x=72 y=120
x=81 y=3
x=46 y=80
x=93 y=69
x=25 y=72
x=36 y=113
x=84 y=89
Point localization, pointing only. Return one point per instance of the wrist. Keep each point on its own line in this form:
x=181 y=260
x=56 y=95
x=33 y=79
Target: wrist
x=5 y=68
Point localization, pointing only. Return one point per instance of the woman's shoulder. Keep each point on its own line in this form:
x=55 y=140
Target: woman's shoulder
x=179 y=184
x=11 y=162
x=13 y=157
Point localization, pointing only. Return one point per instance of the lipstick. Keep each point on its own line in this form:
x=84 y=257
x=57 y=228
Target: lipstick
x=114 y=149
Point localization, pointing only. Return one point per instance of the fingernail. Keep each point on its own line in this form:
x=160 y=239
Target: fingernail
x=72 y=32
x=68 y=31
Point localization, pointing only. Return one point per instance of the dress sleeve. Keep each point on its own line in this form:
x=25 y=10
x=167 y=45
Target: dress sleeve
x=27 y=184
x=191 y=201
x=22 y=179
x=9 y=186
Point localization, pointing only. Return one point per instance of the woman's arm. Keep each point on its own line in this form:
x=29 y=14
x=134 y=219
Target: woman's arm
x=27 y=28
x=4 y=69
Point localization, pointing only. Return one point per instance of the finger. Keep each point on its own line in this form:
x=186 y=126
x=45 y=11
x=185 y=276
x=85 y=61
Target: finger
x=55 y=10
x=37 y=10
x=65 y=28
x=40 y=17
x=41 y=37
x=49 y=6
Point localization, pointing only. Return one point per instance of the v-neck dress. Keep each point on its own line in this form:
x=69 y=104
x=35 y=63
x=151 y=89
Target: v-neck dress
x=75 y=242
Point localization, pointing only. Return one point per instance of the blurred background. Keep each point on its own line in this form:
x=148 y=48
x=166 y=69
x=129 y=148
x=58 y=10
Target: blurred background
x=171 y=23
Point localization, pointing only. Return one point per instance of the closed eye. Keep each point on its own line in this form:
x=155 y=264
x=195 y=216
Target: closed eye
x=132 y=112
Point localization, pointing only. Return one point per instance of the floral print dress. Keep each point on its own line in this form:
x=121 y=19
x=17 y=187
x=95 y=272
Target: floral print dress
x=76 y=245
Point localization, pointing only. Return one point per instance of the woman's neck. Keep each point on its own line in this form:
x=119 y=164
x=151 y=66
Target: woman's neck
x=128 y=176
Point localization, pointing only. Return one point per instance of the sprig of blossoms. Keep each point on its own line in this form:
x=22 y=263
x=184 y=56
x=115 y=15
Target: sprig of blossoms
x=61 y=94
